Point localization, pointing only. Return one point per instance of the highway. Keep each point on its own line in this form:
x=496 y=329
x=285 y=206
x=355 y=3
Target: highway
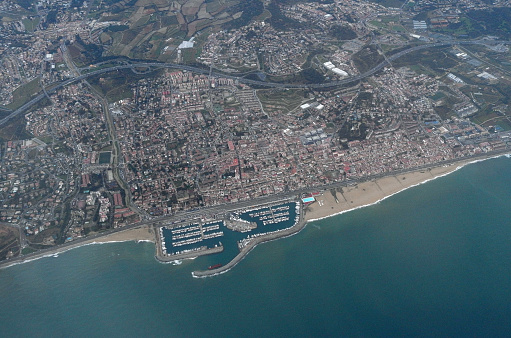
x=331 y=84
x=223 y=208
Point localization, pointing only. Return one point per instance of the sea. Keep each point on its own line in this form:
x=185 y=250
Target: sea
x=433 y=260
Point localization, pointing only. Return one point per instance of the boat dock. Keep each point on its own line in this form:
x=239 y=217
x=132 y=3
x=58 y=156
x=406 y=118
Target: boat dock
x=190 y=240
x=250 y=243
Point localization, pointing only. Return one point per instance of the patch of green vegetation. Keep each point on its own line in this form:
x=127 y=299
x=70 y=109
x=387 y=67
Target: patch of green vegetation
x=435 y=59
x=31 y=24
x=386 y=48
x=14 y=130
x=188 y=55
x=249 y=8
x=26 y=4
x=46 y=139
x=367 y=58
x=281 y=99
x=129 y=35
x=487 y=117
x=377 y=23
x=264 y=16
x=141 y=22
x=213 y=6
x=390 y=18
x=278 y=20
x=438 y=96
x=27 y=250
x=311 y=75
x=169 y=20
x=490 y=22
x=107 y=148
x=4 y=112
x=24 y=93
x=342 y=32
x=504 y=123
x=87 y=53
x=117 y=85
x=116 y=28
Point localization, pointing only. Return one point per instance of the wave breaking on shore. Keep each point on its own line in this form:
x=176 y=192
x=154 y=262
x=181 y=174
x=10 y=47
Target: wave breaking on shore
x=406 y=188
x=57 y=252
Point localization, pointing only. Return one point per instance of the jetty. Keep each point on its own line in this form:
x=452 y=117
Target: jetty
x=250 y=244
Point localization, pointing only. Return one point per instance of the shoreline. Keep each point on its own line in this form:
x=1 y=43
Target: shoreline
x=340 y=208
x=134 y=234
x=440 y=171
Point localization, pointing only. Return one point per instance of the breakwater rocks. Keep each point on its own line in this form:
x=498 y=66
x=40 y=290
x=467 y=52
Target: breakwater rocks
x=248 y=247
x=189 y=254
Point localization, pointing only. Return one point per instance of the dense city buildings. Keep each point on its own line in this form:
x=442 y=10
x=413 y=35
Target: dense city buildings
x=241 y=110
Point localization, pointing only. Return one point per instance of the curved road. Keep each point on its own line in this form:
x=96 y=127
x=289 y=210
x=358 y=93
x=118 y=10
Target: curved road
x=345 y=81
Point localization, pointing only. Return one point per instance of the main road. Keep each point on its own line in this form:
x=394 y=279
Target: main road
x=223 y=208
x=331 y=84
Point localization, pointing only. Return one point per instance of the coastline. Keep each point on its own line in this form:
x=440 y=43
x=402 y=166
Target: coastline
x=141 y=234
x=353 y=197
x=359 y=195
x=372 y=192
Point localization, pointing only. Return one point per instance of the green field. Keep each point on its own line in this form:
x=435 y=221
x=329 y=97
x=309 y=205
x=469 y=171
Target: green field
x=284 y=100
x=104 y=157
x=14 y=130
x=24 y=93
x=30 y=24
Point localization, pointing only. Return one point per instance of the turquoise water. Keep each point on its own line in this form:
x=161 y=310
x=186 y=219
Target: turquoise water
x=433 y=260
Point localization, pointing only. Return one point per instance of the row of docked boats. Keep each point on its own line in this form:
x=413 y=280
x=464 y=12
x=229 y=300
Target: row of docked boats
x=186 y=235
x=268 y=211
x=187 y=241
x=260 y=213
x=276 y=220
x=263 y=218
x=213 y=235
x=186 y=228
x=210 y=228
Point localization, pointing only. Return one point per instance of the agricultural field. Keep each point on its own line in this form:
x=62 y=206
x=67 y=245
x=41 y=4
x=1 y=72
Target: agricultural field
x=153 y=29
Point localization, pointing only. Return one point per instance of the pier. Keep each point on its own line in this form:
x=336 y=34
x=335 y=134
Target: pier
x=202 y=251
x=188 y=241
x=248 y=244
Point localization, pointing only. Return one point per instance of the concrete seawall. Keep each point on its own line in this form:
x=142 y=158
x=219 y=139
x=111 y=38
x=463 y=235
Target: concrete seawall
x=190 y=254
x=253 y=243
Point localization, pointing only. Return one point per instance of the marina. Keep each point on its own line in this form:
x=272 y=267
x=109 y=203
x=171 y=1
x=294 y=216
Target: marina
x=227 y=238
x=189 y=238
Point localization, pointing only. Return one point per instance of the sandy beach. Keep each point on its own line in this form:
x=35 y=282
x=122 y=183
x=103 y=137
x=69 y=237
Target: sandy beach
x=326 y=205
x=138 y=234
x=371 y=192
